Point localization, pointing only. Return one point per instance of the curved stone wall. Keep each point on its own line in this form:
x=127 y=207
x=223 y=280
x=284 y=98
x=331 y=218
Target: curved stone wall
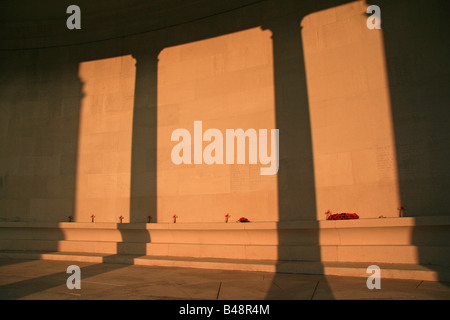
x=87 y=115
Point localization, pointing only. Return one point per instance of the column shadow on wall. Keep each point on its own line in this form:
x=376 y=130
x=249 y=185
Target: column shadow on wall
x=296 y=185
x=416 y=36
x=40 y=141
x=143 y=176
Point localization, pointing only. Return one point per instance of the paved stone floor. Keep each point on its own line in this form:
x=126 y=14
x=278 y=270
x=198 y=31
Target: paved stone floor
x=46 y=280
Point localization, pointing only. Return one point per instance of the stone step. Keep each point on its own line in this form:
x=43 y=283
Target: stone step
x=403 y=254
x=348 y=269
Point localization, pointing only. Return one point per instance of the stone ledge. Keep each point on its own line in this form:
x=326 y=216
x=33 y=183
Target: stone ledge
x=407 y=254
x=297 y=224
x=394 y=240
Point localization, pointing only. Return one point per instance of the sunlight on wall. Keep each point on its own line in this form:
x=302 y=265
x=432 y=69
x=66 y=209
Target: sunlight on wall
x=351 y=120
x=105 y=132
x=227 y=83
